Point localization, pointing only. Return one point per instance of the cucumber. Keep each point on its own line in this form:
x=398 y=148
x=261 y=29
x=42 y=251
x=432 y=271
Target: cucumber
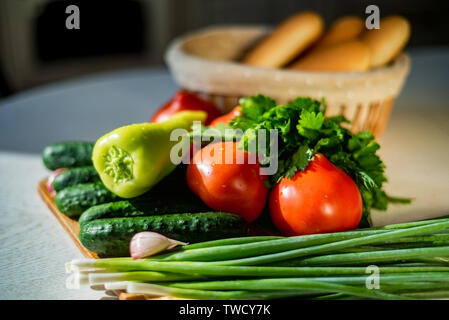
x=74 y=200
x=68 y=154
x=111 y=237
x=74 y=176
x=144 y=206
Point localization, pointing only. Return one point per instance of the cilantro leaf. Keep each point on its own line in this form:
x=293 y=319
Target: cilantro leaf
x=298 y=161
x=310 y=120
x=254 y=107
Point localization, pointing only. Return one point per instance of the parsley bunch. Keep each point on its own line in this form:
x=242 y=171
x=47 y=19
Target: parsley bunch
x=303 y=131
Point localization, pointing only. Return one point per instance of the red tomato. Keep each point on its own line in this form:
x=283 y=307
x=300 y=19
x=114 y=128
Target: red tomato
x=230 y=187
x=226 y=118
x=322 y=198
x=185 y=101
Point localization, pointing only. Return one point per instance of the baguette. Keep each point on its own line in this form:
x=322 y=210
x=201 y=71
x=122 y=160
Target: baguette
x=342 y=30
x=348 y=56
x=388 y=41
x=287 y=41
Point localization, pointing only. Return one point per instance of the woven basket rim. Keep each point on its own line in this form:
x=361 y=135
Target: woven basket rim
x=199 y=74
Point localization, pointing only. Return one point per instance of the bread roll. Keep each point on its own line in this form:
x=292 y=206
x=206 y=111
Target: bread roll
x=288 y=40
x=342 y=30
x=388 y=41
x=347 y=56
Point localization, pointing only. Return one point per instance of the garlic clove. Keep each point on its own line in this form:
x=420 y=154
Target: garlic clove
x=51 y=178
x=145 y=244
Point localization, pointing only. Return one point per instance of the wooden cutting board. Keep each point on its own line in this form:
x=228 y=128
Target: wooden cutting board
x=72 y=227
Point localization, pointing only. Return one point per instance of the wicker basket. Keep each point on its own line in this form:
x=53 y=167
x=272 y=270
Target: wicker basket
x=205 y=62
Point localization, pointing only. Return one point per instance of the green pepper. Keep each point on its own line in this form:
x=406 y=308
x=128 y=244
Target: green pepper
x=132 y=159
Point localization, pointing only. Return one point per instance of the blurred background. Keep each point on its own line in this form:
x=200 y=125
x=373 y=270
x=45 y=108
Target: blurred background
x=36 y=48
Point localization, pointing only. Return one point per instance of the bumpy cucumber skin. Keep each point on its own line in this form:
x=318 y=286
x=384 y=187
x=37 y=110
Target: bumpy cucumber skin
x=74 y=176
x=155 y=205
x=68 y=154
x=118 y=209
x=111 y=237
x=74 y=200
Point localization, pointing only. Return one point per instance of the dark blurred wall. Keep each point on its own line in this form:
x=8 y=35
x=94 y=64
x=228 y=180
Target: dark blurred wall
x=36 y=48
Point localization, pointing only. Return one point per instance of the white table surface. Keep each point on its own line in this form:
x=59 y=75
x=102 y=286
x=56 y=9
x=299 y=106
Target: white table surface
x=34 y=247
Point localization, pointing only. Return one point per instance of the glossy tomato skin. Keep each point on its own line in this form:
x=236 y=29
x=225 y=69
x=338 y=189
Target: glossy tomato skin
x=230 y=187
x=226 y=118
x=182 y=101
x=322 y=198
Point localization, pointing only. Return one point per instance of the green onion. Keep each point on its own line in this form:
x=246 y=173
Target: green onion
x=403 y=281
x=439 y=294
x=216 y=243
x=153 y=289
x=290 y=287
x=230 y=241
x=372 y=257
x=206 y=269
x=411 y=224
x=328 y=247
x=247 y=250
x=403 y=225
x=150 y=276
